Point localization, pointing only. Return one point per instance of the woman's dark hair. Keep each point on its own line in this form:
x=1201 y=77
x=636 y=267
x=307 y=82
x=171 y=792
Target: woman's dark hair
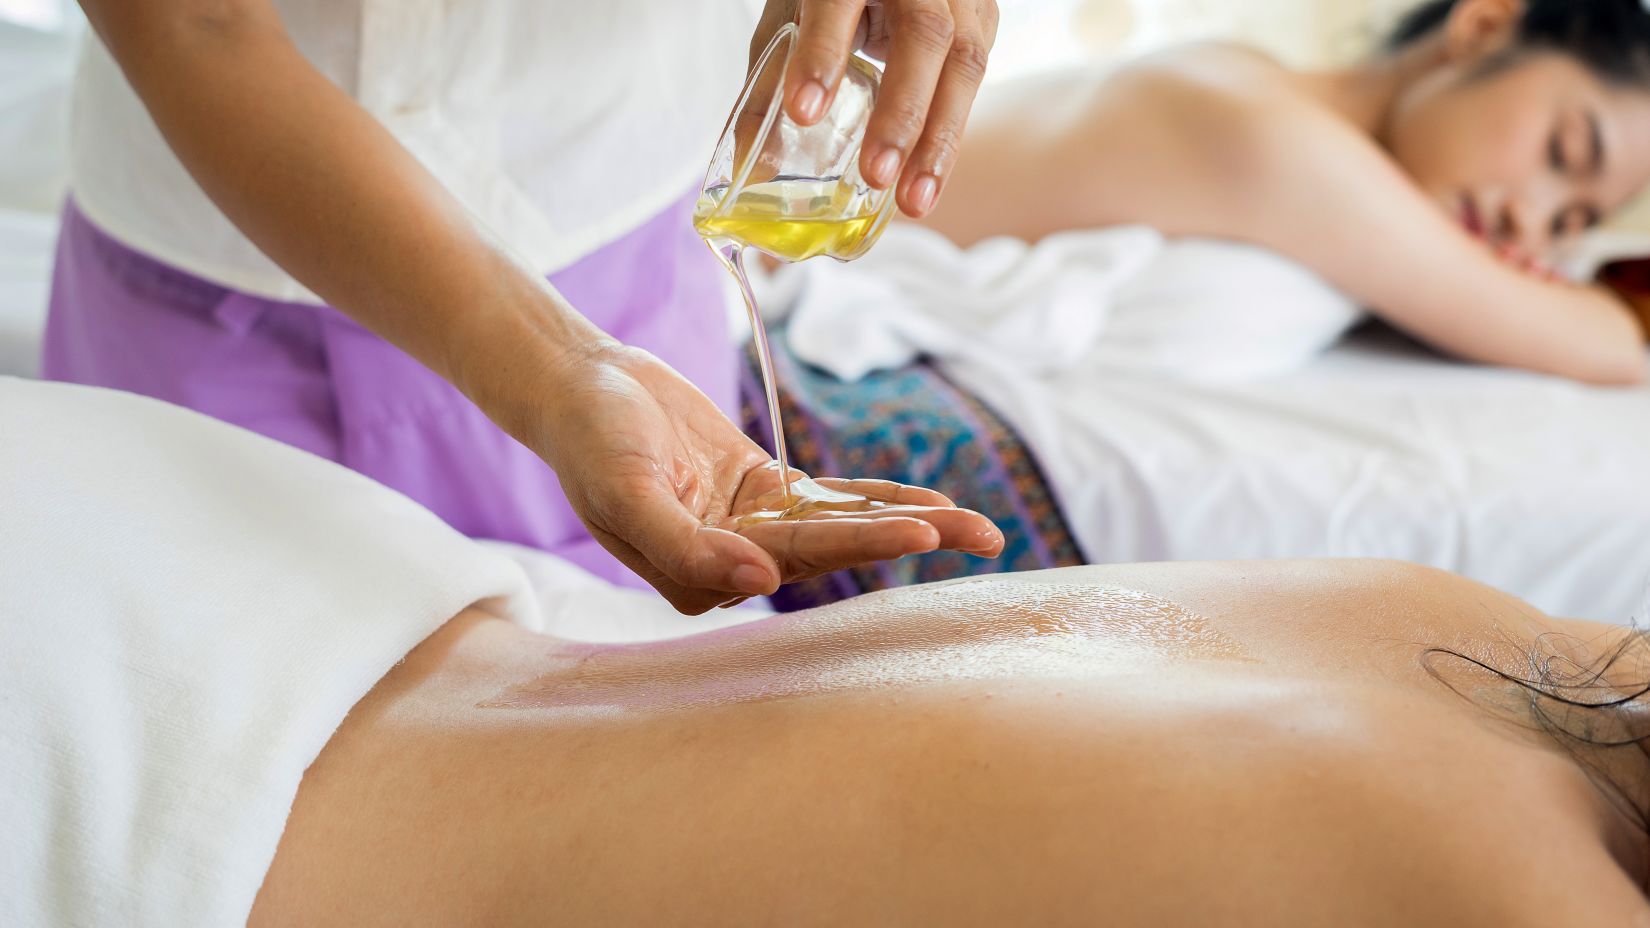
x=1612 y=37
x=1569 y=694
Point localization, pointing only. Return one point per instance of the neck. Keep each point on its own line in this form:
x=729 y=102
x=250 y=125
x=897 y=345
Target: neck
x=1366 y=93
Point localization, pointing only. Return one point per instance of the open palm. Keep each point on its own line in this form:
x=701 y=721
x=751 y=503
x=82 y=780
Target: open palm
x=660 y=477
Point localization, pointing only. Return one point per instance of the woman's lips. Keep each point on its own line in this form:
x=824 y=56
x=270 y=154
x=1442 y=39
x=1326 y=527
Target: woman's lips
x=1471 y=219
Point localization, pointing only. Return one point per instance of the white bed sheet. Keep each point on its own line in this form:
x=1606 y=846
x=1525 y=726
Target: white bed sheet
x=1534 y=485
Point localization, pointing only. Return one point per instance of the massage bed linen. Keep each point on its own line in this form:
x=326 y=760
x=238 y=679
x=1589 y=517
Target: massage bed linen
x=188 y=612
x=1190 y=399
x=1532 y=484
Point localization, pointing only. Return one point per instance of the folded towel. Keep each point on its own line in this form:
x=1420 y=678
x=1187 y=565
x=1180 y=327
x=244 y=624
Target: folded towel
x=187 y=612
x=1121 y=297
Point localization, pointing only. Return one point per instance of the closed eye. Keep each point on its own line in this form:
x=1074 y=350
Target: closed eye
x=1576 y=220
x=1563 y=157
x=1555 y=154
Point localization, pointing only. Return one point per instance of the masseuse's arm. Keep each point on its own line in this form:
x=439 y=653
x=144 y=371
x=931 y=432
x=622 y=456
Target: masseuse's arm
x=323 y=189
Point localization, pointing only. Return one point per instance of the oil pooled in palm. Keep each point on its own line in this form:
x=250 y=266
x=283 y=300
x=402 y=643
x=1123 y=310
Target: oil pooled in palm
x=803 y=499
x=789 y=236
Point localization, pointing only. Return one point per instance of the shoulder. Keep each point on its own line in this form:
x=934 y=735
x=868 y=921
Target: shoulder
x=1242 y=107
x=1227 y=75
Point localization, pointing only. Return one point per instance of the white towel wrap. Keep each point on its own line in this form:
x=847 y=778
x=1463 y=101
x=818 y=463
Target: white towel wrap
x=187 y=612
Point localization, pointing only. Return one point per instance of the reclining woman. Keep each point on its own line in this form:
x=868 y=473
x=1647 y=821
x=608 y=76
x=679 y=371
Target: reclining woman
x=1275 y=743
x=1427 y=182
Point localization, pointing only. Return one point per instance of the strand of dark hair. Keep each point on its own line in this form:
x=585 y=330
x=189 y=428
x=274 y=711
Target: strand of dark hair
x=1576 y=705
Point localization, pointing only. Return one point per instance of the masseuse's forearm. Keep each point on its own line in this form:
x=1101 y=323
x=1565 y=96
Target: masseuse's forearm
x=323 y=189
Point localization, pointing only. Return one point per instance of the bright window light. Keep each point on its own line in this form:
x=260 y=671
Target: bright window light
x=49 y=15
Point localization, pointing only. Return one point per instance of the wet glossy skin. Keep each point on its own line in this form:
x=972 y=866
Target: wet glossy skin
x=1163 y=745
x=979 y=631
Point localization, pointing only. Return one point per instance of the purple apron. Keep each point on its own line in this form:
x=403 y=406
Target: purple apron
x=311 y=377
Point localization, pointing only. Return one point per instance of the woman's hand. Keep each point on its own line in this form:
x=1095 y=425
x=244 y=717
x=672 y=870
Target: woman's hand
x=654 y=468
x=936 y=52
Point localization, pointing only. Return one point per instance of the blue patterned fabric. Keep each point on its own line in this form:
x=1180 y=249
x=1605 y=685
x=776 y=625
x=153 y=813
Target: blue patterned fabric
x=914 y=426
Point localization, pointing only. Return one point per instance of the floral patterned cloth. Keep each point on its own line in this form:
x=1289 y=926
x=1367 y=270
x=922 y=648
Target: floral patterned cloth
x=913 y=426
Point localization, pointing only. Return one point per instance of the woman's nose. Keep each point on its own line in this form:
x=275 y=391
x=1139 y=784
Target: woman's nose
x=1523 y=223
x=1529 y=215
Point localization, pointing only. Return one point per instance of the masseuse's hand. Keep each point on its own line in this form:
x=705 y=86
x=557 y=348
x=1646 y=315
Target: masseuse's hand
x=936 y=53
x=653 y=468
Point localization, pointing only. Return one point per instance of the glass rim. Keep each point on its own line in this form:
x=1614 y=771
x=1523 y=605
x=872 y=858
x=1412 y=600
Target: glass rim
x=742 y=170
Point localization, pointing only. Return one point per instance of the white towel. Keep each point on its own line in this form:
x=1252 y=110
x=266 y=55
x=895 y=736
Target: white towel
x=1122 y=297
x=187 y=612
x=577 y=605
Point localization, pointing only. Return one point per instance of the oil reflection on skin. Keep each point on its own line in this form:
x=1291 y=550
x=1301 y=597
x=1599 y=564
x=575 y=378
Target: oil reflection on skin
x=972 y=630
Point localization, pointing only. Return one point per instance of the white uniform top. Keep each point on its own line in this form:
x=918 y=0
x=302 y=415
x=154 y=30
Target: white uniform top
x=560 y=124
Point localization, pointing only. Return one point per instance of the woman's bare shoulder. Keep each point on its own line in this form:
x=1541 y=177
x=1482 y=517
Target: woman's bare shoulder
x=1220 y=72
x=1187 y=140
x=1228 y=125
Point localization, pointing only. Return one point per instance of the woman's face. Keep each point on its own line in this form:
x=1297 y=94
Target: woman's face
x=1528 y=150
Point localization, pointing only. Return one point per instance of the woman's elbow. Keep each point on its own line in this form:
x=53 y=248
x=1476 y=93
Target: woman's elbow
x=1628 y=375
x=1613 y=352
x=1625 y=367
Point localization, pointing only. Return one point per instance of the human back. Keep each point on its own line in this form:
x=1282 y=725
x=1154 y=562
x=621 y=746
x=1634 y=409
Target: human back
x=1169 y=744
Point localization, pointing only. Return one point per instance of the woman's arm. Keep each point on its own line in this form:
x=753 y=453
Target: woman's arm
x=323 y=189
x=648 y=462
x=1312 y=188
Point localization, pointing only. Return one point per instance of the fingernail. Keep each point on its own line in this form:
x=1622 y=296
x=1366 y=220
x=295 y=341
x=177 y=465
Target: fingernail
x=987 y=544
x=810 y=101
x=923 y=193
x=885 y=167
x=748 y=578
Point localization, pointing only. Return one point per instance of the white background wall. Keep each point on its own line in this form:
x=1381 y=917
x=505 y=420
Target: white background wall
x=1043 y=33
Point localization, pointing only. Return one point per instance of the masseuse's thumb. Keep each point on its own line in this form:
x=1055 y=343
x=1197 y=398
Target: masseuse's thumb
x=696 y=556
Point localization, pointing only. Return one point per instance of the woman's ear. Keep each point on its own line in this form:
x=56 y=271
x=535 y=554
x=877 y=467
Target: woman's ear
x=1479 y=28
